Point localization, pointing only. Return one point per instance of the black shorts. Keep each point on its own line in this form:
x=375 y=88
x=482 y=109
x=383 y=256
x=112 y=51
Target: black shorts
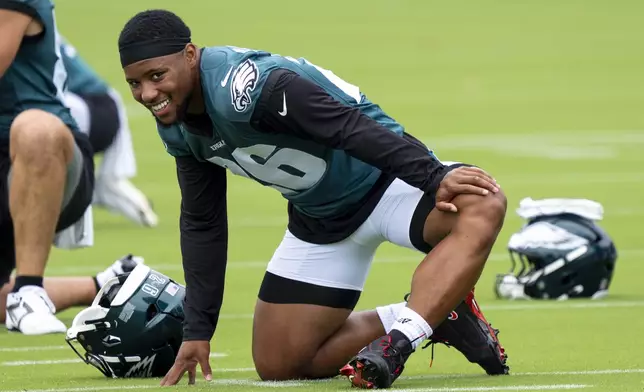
x=104 y=120
x=80 y=198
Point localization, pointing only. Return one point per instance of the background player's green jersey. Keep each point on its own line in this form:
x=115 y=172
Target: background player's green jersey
x=81 y=78
x=37 y=76
x=318 y=180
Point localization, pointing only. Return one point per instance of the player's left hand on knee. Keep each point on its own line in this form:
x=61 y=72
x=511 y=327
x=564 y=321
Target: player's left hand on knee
x=190 y=354
x=463 y=180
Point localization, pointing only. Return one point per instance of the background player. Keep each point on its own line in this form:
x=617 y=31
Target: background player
x=100 y=113
x=46 y=164
x=66 y=292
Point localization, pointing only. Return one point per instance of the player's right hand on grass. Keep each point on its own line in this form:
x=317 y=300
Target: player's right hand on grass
x=190 y=354
x=463 y=180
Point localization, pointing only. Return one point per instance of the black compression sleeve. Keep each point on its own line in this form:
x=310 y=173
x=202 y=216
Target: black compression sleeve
x=290 y=103
x=204 y=244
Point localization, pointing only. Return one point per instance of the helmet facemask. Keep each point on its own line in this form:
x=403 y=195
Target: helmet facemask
x=538 y=250
x=133 y=326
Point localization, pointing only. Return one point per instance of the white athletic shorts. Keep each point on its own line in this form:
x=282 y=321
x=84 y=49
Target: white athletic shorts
x=334 y=274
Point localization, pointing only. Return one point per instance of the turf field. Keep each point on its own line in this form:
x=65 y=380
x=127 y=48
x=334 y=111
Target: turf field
x=547 y=95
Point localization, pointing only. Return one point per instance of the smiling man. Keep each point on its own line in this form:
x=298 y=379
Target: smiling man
x=353 y=179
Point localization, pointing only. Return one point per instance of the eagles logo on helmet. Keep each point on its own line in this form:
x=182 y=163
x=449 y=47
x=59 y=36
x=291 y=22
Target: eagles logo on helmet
x=561 y=252
x=133 y=328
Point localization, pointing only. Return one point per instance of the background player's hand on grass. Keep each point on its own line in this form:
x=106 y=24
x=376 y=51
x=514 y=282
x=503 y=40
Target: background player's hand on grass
x=190 y=354
x=463 y=180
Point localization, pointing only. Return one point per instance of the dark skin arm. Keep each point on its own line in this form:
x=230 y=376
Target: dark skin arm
x=204 y=238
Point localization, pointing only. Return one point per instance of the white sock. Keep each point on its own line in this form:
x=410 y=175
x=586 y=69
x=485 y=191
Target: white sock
x=388 y=314
x=414 y=327
x=108 y=273
x=103 y=277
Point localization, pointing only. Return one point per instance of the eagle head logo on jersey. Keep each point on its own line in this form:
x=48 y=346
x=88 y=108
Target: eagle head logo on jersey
x=244 y=82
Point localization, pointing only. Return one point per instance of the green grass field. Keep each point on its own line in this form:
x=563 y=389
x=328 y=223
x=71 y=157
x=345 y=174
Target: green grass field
x=547 y=95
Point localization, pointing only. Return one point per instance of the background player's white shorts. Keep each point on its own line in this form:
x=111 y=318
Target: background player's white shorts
x=118 y=158
x=346 y=264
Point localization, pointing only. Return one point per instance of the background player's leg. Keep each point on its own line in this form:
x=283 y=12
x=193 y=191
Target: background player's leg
x=66 y=292
x=79 y=110
x=119 y=160
x=104 y=119
x=41 y=147
x=49 y=189
x=113 y=189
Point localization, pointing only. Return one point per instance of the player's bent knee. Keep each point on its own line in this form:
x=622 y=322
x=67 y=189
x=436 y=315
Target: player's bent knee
x=36 y=134
x=494 y=208
x=488 y=210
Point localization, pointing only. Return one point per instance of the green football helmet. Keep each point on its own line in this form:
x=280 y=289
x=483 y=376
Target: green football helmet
x=559 y=257
x=133 y=327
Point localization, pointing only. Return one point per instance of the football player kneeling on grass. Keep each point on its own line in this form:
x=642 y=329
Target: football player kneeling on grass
x=133 y=328
x=354 y=178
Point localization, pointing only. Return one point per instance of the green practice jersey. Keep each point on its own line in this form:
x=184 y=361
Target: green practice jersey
x=81 y=78
x=37 y=78
x=318 y=180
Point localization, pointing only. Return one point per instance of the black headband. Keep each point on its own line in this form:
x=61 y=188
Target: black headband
x=156 y=47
